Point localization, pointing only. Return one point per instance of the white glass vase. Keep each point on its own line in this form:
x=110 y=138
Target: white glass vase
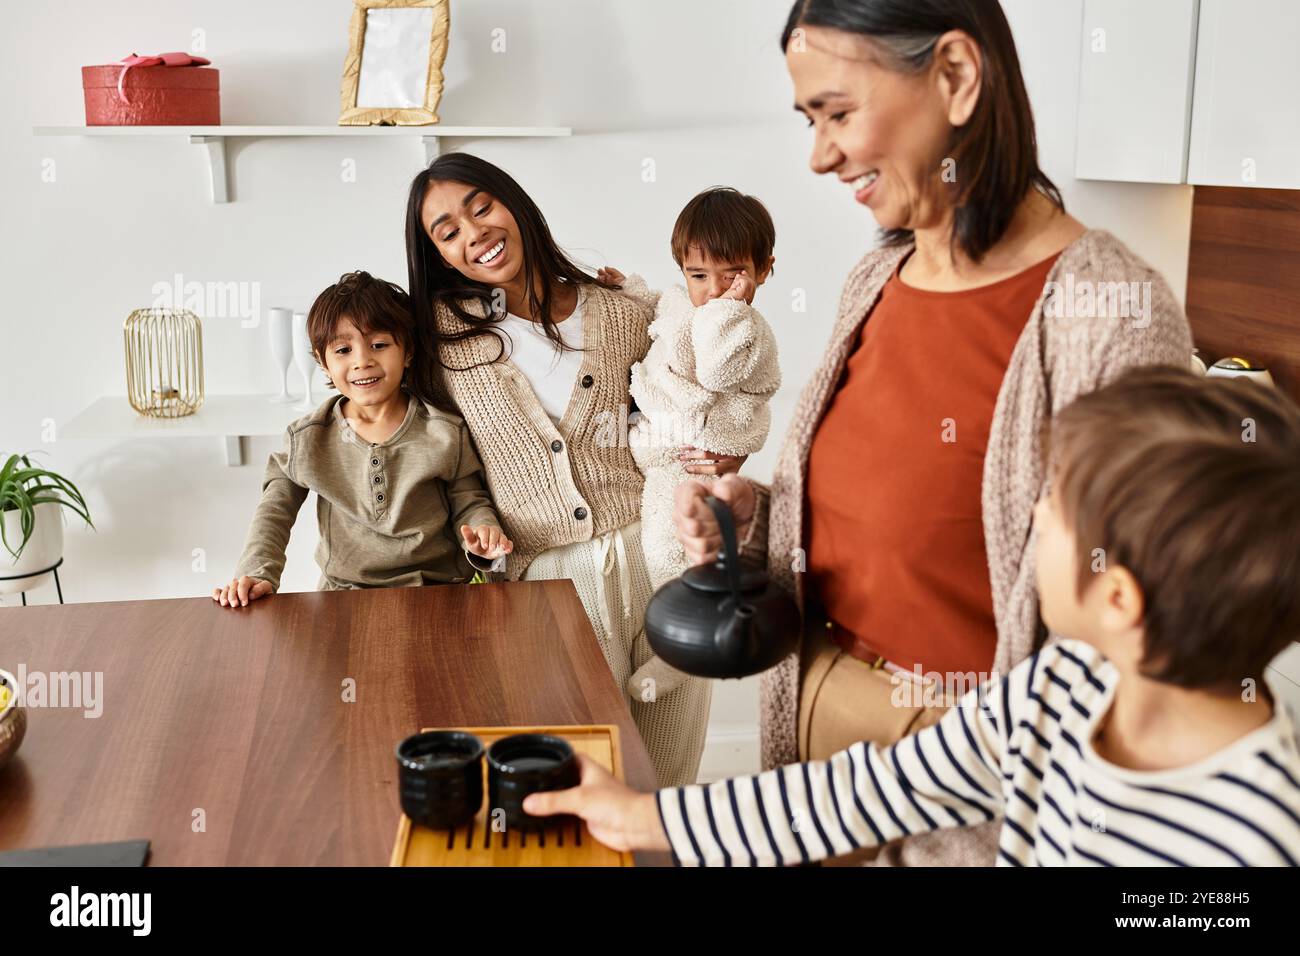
x=303 y=358
x=281 y=334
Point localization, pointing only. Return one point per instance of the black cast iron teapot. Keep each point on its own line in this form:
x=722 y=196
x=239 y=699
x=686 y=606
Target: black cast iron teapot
x=722 y=619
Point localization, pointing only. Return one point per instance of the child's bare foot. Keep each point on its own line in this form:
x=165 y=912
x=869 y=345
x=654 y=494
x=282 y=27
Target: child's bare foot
x=653 y=680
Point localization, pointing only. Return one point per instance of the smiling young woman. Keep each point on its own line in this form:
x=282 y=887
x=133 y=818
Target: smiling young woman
x=535 y=355
x=906 y=485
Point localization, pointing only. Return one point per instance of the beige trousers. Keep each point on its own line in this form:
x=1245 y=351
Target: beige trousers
x=609 y=573
x=843 y=700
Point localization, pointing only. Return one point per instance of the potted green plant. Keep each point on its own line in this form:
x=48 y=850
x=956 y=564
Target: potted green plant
x=31 y=526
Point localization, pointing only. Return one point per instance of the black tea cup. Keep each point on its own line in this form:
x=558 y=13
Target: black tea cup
x=524 y=764
x=440 y=778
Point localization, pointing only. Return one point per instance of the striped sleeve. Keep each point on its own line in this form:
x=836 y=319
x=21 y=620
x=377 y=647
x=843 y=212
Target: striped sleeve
x=948 y=775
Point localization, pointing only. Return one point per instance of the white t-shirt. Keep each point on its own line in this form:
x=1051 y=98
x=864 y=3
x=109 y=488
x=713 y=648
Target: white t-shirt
x=551 y=372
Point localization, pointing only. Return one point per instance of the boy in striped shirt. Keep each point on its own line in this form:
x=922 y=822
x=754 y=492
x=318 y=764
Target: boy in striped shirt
x=1168 y=550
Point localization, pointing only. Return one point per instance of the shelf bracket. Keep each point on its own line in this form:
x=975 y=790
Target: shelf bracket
x=432 y=147
x=216 y=148
x=234 y=446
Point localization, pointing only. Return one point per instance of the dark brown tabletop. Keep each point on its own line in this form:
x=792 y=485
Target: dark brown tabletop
x=237 y=718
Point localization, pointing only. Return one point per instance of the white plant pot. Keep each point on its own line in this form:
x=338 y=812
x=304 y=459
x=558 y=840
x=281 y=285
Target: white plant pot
x=44 y=548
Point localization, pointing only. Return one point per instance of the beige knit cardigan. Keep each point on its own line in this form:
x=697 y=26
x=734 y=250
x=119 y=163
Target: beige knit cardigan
x=1058 y=356
x=553 y=484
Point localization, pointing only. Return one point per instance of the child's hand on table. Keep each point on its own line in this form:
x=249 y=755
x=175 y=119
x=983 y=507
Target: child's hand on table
x=486 y=540
x=242 y=590
x=617 y=816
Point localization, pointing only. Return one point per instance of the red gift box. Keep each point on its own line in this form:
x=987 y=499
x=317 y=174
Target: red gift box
x=151 y=95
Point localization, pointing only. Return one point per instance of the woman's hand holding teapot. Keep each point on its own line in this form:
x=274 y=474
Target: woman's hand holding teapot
x=697 y=528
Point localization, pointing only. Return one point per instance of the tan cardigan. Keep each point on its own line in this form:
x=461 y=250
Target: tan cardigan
x=554 y=484
x=1055 y=360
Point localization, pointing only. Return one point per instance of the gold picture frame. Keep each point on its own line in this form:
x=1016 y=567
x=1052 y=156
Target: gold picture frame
x=398 y=114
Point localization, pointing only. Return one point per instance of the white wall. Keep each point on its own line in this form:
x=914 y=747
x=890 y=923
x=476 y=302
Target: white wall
x=696 y=85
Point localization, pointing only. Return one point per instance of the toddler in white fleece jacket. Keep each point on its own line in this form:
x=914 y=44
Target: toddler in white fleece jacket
x=708 y=375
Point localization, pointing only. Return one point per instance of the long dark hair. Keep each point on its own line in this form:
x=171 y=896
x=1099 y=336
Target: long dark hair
x=432 y=281
x=996 y=151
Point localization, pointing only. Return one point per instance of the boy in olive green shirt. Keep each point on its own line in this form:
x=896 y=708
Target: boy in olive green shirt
x=400 y=493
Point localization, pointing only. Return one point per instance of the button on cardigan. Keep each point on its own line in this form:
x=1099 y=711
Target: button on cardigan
x=389 y=512
x=548 y=497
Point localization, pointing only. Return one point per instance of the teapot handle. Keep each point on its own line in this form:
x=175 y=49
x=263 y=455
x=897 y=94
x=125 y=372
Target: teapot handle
x=733 y=634
x=729 y=558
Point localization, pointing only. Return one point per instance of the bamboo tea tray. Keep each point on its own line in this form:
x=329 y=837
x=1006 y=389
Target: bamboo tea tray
x=567 y=843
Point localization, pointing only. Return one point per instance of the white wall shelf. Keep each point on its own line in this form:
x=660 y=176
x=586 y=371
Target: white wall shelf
x=227 y=417
x=213 y=138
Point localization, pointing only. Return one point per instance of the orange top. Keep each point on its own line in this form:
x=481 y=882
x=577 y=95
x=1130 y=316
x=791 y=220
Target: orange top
x=894 y=524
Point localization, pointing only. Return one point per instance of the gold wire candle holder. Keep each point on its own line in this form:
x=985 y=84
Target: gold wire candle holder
x=164 y=362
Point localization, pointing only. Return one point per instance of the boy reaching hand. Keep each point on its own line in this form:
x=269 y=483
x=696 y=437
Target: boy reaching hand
x=1168 y=555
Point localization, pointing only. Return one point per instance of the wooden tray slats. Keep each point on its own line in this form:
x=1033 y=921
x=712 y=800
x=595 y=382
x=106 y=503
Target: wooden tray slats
x=566 y=842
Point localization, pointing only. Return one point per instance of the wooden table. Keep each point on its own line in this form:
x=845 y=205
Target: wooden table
x=240 y=713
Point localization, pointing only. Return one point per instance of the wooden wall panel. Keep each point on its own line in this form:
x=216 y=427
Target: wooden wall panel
x=1243 y=278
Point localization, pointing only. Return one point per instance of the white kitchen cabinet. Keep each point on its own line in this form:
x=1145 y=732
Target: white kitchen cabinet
x=1246 y=105
x=1205 y=92
x=1135 y=90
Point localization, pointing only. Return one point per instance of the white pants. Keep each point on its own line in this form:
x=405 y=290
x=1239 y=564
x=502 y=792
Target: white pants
x=609 y=573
